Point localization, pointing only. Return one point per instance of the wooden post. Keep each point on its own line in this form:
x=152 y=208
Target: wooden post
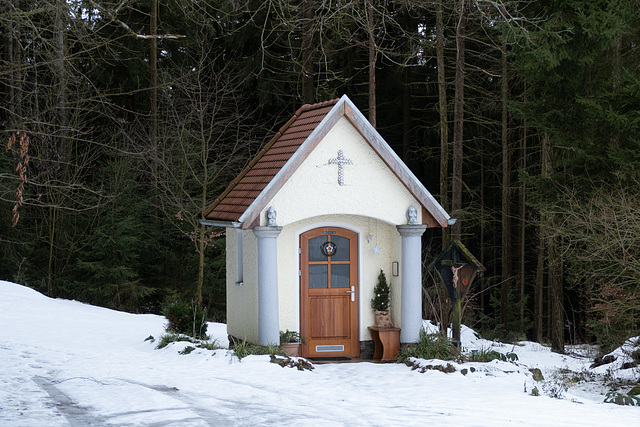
x=457 y=320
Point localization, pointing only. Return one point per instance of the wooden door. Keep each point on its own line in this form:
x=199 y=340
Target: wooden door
x=329 y=292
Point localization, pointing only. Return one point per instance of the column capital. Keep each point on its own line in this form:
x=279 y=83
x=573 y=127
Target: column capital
x=407 y=230
x=266 y=231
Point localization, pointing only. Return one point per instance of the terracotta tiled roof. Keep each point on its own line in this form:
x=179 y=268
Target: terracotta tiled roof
x=237 y=198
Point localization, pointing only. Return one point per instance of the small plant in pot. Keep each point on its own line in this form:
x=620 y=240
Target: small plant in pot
x=290 y=342
x=381 y=301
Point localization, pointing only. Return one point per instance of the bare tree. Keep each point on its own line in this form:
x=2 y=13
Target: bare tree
x=600 y=235
x=206 y=140
x=553 y=259
x=308 y=53
x=56 y=104
x=506 y=191
x=444 y=121
x=458 y=120
x=372 y=62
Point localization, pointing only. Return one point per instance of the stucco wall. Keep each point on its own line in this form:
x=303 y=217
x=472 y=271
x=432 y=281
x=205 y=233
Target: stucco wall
x=370 y=188
x=371 y=201
x=242 y=301
x=384 y=235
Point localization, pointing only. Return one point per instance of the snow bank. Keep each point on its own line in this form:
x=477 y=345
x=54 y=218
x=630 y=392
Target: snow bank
x=66 y=363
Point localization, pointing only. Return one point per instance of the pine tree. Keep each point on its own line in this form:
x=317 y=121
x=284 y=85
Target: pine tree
x=380 y=301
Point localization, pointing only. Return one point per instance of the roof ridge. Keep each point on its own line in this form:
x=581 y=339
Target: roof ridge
x=309 y=107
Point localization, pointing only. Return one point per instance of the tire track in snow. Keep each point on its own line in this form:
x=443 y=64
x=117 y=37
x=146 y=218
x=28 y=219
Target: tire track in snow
x=80 y=416
x=208 y=416
x=76 y=415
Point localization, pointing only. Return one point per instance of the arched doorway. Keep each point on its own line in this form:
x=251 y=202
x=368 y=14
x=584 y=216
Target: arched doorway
x=329 y=292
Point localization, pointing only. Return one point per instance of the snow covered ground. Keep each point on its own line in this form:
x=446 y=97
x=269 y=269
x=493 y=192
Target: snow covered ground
x=63 y=363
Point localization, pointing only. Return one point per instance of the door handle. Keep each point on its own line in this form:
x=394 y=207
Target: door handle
x=353 y=293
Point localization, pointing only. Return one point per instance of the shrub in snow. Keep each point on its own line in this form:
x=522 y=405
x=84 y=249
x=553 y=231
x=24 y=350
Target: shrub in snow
x=167 y=339
x=243 y=349
x=449 y=368
x=537 y=374
x=487 y=355
x=555 y=389
x=621 y=399
x=188 y=349
x=186 y=318
x=429 y=347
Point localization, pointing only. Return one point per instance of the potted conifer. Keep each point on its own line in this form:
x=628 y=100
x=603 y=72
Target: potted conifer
x=381 y=301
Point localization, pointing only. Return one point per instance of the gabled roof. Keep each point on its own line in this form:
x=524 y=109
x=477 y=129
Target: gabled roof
x=243 y=200
x=234 y=201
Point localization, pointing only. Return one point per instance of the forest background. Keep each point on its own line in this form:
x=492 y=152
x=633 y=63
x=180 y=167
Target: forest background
x=124 y=119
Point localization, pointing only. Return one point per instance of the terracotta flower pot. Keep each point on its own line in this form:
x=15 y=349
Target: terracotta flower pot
x=291 y=348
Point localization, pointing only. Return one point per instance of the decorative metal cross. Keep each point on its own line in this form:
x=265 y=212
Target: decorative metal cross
x=340 y=161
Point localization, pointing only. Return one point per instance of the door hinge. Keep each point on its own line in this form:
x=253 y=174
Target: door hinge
x=299 y=273
x=299 y=251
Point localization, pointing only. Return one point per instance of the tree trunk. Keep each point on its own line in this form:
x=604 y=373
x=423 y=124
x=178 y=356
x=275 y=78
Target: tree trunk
x=201 y=246
x=58 y=42
x=53 y=220
x=616 y=78
x=538 y=295
x=153 y=95
x=456 y=314
x=483 y=226
x=538 y=300
x=444 y=125
x=458 y=120
x=406 y=115
x=506 y=195
x=556 y=294
x=307 y=54
x=554 y=262
x=406 y=100
x=11 y=34
x=14 y=57
x=61 y=145
x=372 y=64
x=523 y=219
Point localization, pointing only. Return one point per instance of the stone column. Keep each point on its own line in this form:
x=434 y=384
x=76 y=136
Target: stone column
x=411 y=270
x=268 y=313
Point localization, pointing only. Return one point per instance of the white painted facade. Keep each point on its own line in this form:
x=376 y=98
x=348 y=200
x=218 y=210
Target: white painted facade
x=385 y=237
x=371 y=202
x=242 y=299
x=370 y=188
x=373 y=199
